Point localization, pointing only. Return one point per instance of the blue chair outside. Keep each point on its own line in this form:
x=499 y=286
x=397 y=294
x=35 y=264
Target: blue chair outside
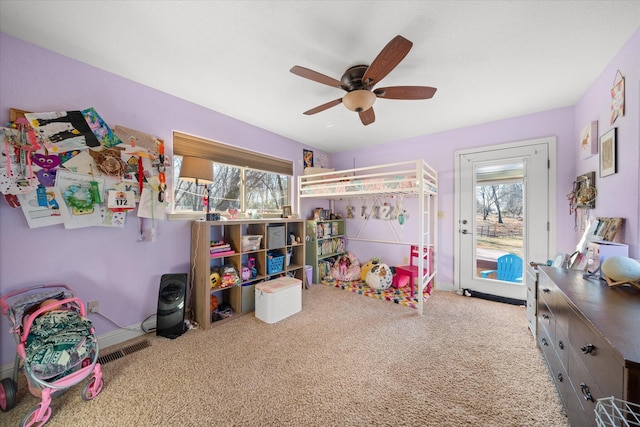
x=509 y=269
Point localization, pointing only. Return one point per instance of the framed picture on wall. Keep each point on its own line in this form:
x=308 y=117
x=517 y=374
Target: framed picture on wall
x=589 y=140
x=308 y=158
x=608 y=153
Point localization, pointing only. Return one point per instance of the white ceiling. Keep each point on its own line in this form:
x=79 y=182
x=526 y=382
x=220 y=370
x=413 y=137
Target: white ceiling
x=490 y=60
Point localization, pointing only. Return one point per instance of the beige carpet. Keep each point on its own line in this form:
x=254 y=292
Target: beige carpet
x=345 y=360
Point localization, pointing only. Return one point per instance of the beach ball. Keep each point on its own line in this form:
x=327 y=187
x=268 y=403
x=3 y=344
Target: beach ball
x=379 y=277
x=621 y=269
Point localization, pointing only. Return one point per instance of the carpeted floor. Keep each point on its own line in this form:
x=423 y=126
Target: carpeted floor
x=344 y=360
x=401 y=296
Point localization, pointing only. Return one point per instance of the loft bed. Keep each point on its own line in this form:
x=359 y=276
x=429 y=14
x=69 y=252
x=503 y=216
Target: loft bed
x=415 y=179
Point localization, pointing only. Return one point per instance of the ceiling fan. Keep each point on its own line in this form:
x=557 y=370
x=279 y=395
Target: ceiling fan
x=359 y=80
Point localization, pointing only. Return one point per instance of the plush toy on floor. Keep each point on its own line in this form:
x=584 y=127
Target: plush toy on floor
x=379 y=277
x=346 y=268
x=364 y=269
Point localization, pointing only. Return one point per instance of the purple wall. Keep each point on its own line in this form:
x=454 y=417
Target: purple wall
x=110 y=266
x=105 y=264
x=619 y=194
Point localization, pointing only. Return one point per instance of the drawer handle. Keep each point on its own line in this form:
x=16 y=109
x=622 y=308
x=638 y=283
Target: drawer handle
x=545 y=316
x=588 y=349
x=560 y=377
x=544 y=341
x=585 y=392
x=545 y=290
x=561 y=345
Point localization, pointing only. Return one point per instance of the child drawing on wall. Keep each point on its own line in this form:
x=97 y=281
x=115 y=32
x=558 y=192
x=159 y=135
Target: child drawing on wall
x=53 y=204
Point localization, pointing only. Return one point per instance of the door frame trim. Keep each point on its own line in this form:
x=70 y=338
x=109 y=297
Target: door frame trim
x=551 y=194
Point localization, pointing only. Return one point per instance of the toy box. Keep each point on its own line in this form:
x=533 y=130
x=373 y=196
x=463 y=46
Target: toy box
x=278 y=299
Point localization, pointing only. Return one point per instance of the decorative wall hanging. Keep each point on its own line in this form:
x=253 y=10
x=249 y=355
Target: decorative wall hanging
x=589 y=140
x=63 y=130
x=617 y=97
x=308 y=158
x=608 y=153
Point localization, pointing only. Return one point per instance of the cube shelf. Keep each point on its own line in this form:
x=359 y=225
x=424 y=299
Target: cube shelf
x=248 y=243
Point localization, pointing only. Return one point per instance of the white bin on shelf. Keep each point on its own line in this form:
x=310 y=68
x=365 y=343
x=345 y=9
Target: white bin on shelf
x=278 y=299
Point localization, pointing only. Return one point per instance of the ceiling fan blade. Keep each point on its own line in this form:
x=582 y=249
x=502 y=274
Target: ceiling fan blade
x=323 y=107
x=316 y=76
x=387 y=60
x=367 y=117
x=405 y=92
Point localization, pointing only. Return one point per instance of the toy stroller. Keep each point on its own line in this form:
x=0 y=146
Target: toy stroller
x=55 y=345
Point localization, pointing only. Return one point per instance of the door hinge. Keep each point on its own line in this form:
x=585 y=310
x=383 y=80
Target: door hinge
x=548 y=163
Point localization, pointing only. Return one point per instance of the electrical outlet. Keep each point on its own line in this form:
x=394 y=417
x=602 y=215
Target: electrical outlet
x=93 y=307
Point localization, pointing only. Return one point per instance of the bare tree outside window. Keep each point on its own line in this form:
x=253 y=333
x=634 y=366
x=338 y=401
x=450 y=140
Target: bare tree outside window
x=265 y=192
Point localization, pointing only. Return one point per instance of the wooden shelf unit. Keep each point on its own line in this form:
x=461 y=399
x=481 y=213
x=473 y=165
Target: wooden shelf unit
x=324 y=239
x=240 y=297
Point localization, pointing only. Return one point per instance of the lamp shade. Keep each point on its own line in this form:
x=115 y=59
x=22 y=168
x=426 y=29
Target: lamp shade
x=196 y=169
x=359 y=100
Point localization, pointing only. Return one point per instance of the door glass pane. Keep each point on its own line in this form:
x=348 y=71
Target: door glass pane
x=499 y=221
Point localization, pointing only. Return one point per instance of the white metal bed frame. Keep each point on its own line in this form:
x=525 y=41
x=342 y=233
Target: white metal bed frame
x=414 y=178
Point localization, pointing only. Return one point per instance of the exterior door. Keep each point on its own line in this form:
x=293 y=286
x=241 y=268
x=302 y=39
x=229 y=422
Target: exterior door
x=485 y=177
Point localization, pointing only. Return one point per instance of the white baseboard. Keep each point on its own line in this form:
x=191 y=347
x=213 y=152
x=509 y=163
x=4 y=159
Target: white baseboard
x=446 y=287
x=104 y=341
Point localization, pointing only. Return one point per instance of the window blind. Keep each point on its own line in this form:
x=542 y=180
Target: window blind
x=189 y=145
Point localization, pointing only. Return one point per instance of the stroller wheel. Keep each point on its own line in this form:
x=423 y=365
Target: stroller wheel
x=8 y=389
x=92 y=388
x=31 y=419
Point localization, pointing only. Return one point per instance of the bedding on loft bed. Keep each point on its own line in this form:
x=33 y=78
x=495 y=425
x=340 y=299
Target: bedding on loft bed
x=396 y=178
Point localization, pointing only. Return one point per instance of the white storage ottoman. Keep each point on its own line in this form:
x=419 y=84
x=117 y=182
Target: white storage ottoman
x=278 y=299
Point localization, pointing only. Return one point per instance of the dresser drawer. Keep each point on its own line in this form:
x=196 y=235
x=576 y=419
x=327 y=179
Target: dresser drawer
x=546 y=320
x=586 y=393
x=556 y=368
x=597 y=356
x=562 y=344
x=547 y=291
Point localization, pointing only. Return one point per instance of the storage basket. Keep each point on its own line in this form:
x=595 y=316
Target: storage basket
x=275 y=264
x=251 y=242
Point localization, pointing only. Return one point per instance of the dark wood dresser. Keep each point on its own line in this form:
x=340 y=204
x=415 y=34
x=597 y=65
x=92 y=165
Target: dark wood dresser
x=589 y=334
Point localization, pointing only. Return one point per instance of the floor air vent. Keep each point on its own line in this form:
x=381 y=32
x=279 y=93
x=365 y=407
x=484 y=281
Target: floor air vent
x=117 y=354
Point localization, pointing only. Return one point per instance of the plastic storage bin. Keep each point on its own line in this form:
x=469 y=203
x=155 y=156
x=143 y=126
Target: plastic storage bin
x=251 y=242
x=275 y=264
x=278 y=299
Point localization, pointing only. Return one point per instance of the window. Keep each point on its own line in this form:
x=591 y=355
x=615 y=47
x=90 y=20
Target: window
x=243 y=179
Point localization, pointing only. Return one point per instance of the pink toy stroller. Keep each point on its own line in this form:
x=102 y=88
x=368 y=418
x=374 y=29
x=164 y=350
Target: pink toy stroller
x=56 y=347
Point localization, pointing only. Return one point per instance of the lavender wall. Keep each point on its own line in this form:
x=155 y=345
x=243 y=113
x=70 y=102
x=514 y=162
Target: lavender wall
x=109 y=265
x=105 y=264
x=619 y=194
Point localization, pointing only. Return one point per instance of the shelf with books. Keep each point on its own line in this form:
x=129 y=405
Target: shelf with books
x=325 y=241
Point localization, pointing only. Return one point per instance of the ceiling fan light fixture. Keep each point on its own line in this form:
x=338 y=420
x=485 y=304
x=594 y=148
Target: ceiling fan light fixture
x=359 y=100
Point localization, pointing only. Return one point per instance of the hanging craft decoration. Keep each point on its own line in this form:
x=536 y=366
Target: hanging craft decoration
x=63 y=131
x=38 y=215
x=617 y=97
x=385 y=211
x=100 y=129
